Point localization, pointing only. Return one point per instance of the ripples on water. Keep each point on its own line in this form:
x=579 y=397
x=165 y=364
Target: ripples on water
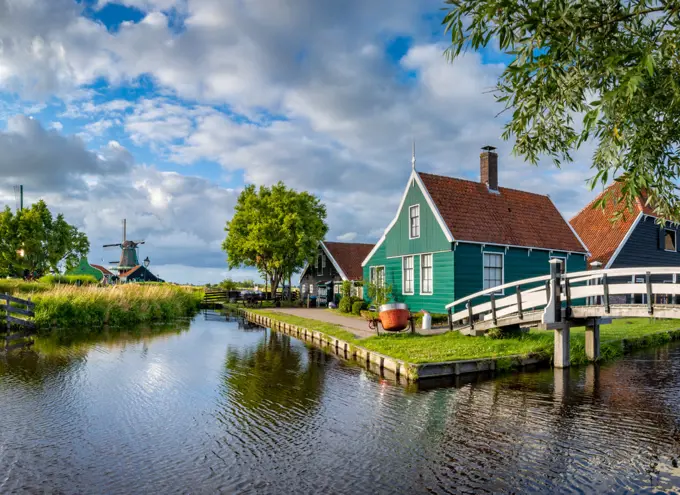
x=230 y=408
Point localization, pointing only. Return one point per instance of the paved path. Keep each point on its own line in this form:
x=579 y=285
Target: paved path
x=358 y=326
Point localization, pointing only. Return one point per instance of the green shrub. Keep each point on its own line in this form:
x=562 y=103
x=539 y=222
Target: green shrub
x=345 y=305
x=358 y=306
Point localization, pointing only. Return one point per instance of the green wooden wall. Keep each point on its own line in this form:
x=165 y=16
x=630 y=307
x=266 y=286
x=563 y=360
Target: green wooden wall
x=432 y=237
x=519 y=263
x=442 y=293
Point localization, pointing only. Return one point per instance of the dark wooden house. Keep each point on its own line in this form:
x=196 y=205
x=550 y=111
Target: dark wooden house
x=334 y=263
x=634 y=240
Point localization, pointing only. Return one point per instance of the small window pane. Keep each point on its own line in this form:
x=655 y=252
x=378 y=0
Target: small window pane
x=670 y=240
x=492 y=270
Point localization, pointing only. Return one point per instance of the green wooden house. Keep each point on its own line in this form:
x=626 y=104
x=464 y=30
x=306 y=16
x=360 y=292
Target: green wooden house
x=452 y=237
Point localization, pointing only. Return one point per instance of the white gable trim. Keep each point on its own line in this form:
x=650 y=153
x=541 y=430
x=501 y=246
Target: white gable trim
x=585 y=248
x=335 y=263
x=624 y=240
x=414 y=176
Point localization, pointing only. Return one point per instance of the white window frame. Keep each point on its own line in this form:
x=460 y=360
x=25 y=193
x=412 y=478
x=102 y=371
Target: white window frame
x=422 y=293
x=564 y=262
x=403 y=277
x=410 y=222
x=373 y=275
x=502 y=255
x=675 y=240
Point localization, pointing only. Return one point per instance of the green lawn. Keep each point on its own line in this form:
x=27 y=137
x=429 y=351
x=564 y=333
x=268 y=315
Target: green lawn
x=452 y=346
x=319 y=326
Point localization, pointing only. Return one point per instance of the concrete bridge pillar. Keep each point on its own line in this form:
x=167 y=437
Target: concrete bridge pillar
x=593 y=340
x=562 y=357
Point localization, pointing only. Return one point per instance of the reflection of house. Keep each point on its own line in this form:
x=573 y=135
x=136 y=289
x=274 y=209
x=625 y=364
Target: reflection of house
x=633 y=240
x=452 y=237
x=334 y=263
x=138 y=274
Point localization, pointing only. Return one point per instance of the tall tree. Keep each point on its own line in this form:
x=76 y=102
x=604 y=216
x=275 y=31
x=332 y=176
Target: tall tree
x=33 y=240
x=275 y=230
x=604 y=71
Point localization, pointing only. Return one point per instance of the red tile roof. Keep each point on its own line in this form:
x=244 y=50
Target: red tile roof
x=102 y=269
x=349 y=256
x=595 y=226
x=509 y=217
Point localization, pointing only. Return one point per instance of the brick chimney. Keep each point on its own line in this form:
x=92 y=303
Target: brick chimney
x=488 y=167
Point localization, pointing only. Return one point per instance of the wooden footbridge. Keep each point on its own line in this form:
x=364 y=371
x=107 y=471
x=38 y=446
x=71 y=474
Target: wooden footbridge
x=562 y=300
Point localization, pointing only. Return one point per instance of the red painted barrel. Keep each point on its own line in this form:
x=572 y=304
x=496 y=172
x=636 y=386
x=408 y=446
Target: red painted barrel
x=394 y=316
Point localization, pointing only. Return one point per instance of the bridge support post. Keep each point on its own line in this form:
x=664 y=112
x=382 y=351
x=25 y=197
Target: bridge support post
x=562 y=357
x=593 y=339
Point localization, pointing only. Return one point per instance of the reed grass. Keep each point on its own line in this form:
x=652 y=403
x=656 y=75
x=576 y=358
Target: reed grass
x=75 y=308
x=68 y=279
x=15 y=285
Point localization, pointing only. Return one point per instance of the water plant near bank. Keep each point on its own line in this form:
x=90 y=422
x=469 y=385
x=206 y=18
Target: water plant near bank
x=70 y=307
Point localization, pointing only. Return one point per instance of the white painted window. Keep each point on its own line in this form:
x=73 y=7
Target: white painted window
x=377 y=275
x=426 y=269
x=493 y=270
x=414 y=222
x=669 y=240
x=407 y=274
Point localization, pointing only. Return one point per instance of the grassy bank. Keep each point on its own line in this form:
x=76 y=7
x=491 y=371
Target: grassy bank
x=70 y=307
x=615 y=339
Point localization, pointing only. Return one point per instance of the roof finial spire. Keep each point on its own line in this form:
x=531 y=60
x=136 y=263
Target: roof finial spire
x=413 y=155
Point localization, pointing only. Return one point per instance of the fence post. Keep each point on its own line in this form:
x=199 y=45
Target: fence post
x=650 y=303
x=520 y=314
x=450 y=319
x=493 y=309
x=605 y=286
x=469 y=308
x=567 y=295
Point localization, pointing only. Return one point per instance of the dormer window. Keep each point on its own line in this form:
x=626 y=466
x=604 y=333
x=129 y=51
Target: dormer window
x=414 y=221
x=669 y=240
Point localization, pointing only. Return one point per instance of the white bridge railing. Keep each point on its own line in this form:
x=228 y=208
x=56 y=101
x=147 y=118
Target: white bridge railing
x=597 y=286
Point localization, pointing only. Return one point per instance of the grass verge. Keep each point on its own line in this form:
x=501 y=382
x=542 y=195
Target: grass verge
x=616 y=339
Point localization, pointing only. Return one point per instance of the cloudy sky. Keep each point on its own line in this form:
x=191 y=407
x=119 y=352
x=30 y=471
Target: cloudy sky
x=161 y=110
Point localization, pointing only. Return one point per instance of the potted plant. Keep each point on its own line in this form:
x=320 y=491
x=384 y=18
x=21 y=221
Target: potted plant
x=394 y=316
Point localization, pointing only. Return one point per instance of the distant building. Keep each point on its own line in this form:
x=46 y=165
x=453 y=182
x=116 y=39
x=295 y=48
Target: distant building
x=138 y=274
x=84 y=268
x=334 y=263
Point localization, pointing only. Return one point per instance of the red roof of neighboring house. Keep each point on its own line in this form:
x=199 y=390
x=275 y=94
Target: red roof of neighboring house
x=349 y=256
x=508 y=217
x=595 y=226
x=102 y=269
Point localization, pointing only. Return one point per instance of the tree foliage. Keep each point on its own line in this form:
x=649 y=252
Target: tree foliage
x=602 y=71
x=275 y=230
x=33 y=240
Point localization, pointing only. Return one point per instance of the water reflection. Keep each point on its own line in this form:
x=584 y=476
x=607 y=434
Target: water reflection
x=59 y=353
x=273 y=377
x=222 y=408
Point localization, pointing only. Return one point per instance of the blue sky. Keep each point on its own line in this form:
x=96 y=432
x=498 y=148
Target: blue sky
x=161 y=110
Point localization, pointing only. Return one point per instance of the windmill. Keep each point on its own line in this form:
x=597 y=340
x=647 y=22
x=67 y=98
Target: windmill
x=128 y=254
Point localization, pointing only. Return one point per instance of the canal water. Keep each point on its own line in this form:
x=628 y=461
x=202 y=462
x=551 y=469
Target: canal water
x=221 y=406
